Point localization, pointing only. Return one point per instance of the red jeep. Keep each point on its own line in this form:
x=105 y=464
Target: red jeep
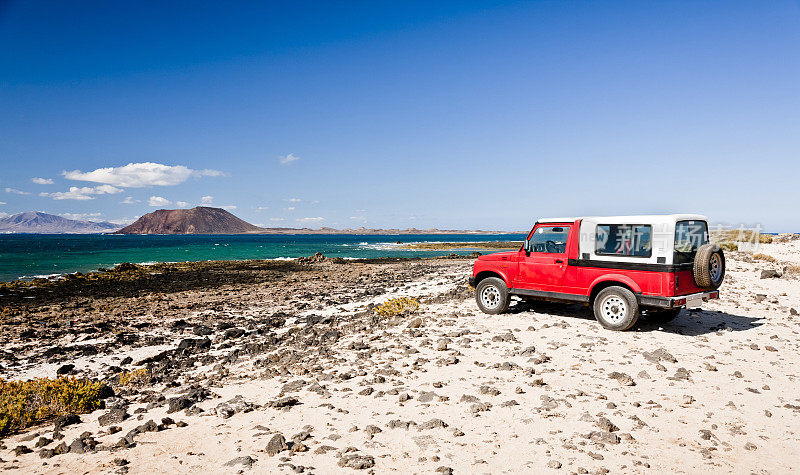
x=619 y=265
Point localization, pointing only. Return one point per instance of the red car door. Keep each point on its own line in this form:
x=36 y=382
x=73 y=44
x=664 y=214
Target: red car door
x=543 y=265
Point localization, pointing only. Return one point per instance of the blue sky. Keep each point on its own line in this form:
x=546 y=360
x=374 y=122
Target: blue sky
x=447 y=114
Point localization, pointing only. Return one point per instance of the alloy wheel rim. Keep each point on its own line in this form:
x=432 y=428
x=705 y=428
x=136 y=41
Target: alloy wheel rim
x=715 y=267
x=490 y=297
x=614 y=309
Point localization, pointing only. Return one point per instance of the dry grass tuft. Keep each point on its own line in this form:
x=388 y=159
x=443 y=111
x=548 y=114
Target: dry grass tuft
x=137 y=377
x=397 y=306
x=764 y=257
x=792 y=270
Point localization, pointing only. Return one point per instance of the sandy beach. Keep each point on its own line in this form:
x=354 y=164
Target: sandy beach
x=289 y=368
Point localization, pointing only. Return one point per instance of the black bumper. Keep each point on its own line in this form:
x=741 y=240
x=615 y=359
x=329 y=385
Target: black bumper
x=472 y=281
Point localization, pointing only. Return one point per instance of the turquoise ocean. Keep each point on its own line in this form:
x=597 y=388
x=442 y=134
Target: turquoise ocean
x=26 y=256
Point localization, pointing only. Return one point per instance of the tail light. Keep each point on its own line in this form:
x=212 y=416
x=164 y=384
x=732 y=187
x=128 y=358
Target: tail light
x=679 y=302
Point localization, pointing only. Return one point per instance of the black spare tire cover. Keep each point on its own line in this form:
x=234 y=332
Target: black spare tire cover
x=709 y=267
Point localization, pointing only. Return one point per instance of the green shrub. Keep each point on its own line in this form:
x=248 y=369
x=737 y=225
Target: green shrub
x=26 y=403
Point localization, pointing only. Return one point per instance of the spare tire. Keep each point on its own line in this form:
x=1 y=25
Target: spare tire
x=709 y=267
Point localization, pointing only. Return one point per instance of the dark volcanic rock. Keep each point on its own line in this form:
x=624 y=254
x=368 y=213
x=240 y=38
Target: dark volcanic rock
x=22 y=449
x=66 y=369
x=358 y=462
x=114 y=416
x=65 y=420
x=179 y=403
x=233 y=406
x=246 y=461
x=276 y=444
x=287 y=401
x=194 y=343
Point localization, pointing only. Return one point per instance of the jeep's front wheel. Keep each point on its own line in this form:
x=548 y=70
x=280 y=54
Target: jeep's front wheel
x=492 y=297
x=616 y=308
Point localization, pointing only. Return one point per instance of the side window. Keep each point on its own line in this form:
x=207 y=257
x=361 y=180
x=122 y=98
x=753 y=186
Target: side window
x=633 y=240
x=550 y=239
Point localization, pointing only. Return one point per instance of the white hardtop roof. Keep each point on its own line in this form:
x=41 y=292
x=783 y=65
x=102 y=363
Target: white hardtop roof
x=633 y=219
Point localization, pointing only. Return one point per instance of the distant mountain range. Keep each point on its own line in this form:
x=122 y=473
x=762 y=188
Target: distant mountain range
x=206 y=220
x=199 y=220
x=36 y=222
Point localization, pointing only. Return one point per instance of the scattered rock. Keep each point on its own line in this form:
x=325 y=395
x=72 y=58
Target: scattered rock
x=246 y=461
x=554 y=464
x=276 y=444
x=114 y=416
x=358 y=462
x=64 y=421
x=233 y=406
x=622 y=378
x=426 y=396
x=21 y=450
x=284 y=402
x=65 y=369
x=606 y=425
x=434 y=424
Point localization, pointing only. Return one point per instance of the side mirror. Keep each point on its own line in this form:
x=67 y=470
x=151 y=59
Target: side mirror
x=526 y=247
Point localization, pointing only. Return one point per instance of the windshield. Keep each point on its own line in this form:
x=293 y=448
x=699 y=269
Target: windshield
x=550 y=239
x=689 y=236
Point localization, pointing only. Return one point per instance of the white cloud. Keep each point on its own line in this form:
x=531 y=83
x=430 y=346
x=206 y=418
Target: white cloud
x=182 y=204
x=82 y=193
x=288 y=159
x=16 y=192
x=130 y=201
x=138 y=175
x=363 y=219
x=228 y=207
x=276 y=219
x=158 y=201
x=2 y=202
x=318 y=219
x=293 y=200
x=81 y=216
x=290 y=208
x=42 y=181
x=122 y=221
x=261 y=208
x=207 y=200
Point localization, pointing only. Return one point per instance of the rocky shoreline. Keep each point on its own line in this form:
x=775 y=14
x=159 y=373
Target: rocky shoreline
x=291 y=367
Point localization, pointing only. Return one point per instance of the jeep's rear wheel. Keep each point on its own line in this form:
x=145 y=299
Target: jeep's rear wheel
x=492 y=297
x=616 y=308
x=663 y=315
x=709 y=267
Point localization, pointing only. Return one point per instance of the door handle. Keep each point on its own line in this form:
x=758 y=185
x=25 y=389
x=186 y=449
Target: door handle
x=559 y=261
